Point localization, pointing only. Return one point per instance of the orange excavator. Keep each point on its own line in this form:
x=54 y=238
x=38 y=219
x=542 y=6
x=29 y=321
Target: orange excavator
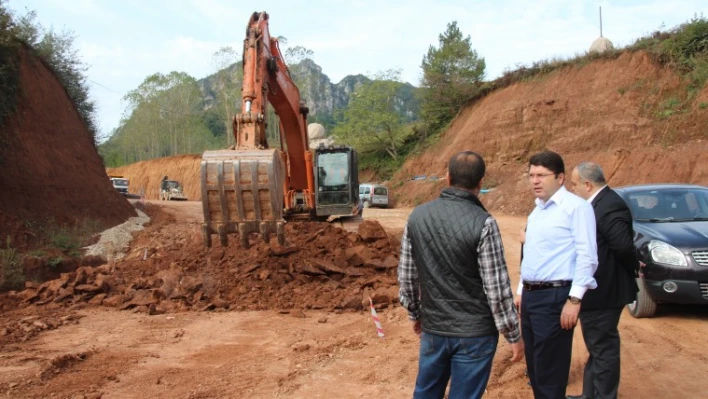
x=253 y=188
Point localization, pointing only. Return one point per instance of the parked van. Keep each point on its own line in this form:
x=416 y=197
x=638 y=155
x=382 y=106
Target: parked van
x=373 y=195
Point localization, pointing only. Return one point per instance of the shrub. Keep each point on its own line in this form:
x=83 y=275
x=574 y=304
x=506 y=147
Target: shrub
x=12 y=275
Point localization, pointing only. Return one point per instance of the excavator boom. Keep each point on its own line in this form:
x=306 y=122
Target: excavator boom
x=252 y=188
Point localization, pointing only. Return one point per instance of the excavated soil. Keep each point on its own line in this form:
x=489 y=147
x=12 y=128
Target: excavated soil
x=76 y=347
x=613 y=112
x=169 y=269
x=51 y=172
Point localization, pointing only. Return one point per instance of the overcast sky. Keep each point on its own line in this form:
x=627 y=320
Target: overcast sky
x=124 y=41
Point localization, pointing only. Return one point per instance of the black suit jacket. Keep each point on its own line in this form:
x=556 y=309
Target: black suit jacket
x=616 y=255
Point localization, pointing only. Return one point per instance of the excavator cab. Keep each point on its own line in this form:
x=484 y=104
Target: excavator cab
x=336 y=181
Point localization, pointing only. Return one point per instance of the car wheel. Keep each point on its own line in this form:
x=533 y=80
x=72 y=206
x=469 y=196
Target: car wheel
x=367 y=204
x=643 y=306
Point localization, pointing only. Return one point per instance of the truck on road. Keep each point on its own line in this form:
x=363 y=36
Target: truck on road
x=171 y=190
x=120 y=184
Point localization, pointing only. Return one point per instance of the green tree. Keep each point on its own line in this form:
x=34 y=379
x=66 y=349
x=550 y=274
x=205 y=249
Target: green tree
x=371 y=122
x=293 y=55
x=451 y=75
x=9 y=81
x=164 y=117
x=226 y=85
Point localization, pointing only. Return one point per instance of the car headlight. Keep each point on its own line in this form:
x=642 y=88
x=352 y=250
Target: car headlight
x=662 y=252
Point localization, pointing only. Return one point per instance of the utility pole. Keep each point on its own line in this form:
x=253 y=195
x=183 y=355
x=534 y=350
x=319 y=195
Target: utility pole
x=600 y=21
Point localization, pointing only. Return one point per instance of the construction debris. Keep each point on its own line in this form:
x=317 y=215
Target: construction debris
x=324 y=267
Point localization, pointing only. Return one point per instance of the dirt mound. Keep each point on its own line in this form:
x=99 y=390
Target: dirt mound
x=169 y=269
x=635 y=118
x=51 y=172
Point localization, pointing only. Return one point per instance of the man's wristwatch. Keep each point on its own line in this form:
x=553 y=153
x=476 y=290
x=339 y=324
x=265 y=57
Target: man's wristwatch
x=574 y=300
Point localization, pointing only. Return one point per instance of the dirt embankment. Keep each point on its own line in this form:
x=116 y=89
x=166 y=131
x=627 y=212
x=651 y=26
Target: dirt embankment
x=51 y=172
x=632 y=116
x=145 y=176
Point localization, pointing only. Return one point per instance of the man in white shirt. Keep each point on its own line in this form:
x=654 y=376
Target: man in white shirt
x=559 y=261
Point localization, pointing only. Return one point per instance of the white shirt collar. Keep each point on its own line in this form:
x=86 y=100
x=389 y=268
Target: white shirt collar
x=556 y=198
x=596 y=193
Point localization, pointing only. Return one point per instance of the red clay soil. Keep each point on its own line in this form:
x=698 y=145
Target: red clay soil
x=51 y=171
x=169 y=270
x=632 y=116
x=145 y=176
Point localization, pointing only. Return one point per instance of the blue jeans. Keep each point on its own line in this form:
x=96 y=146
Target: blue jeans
x=467 y=362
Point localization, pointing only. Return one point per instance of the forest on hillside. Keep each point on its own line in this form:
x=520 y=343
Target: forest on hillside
x=381 y=116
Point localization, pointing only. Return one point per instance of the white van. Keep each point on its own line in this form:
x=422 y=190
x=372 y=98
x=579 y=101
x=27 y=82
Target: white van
x=373 y=195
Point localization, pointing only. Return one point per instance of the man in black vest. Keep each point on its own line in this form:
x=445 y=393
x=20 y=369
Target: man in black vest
x=615 y=276
x=455 y=285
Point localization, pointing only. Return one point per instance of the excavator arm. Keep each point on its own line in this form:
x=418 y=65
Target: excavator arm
x=250 y=188
x=266 y=77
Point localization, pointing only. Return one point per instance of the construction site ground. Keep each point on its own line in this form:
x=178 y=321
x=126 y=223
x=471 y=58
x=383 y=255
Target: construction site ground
x=85 y=350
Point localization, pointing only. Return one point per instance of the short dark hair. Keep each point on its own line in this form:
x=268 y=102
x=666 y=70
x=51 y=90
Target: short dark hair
x=466 y=169
x=549 y=160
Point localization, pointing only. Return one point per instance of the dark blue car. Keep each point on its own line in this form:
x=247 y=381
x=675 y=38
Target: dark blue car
x=671 y=237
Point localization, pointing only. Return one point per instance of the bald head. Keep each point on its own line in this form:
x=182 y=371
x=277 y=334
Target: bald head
x=587 y=178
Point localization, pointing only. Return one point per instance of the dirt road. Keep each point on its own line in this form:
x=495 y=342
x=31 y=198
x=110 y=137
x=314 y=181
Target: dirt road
x=120 y=354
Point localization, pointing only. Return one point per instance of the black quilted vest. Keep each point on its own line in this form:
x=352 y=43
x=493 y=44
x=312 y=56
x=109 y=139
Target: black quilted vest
x=444 y=236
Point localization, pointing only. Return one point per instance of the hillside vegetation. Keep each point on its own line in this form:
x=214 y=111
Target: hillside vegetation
x=177 y=114
x=642 y=112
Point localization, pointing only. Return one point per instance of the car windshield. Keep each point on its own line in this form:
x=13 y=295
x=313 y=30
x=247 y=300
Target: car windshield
x=669 y=205
x=120 y=182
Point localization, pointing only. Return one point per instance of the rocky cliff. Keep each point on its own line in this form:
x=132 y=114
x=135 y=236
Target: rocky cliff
x=322 y=96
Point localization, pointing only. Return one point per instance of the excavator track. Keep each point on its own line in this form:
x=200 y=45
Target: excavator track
x=242 y=192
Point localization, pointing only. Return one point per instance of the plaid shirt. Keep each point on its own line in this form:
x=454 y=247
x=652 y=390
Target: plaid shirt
x=495 y=280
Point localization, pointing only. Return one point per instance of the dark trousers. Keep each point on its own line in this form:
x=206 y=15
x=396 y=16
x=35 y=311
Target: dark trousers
x=602 y=371
x=548 y=347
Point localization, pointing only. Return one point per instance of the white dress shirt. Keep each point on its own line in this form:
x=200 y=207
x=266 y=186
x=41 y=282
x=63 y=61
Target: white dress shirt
x=561 y=243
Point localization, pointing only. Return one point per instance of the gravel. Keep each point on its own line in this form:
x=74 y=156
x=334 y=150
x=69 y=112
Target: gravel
x=114 y=241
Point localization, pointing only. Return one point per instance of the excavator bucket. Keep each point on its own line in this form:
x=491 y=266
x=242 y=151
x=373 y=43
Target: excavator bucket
x=242 y=192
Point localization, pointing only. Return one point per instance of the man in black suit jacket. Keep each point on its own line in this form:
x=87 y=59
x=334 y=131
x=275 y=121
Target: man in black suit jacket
x=616 y=286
